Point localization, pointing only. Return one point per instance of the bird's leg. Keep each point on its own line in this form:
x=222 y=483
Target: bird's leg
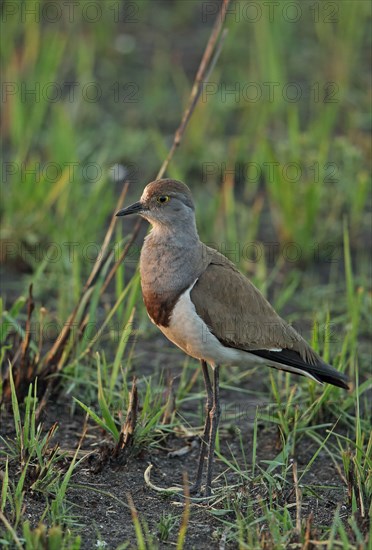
x=214 y=415
x=203 y=445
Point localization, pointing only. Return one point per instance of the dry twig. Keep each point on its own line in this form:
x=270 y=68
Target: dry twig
x=298 y=498
x=127 y=430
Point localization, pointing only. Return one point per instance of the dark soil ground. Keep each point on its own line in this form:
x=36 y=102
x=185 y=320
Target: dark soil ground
x=100 y=486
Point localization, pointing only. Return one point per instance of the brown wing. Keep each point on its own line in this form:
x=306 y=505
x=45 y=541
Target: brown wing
x=237 y=313
x=240 y=317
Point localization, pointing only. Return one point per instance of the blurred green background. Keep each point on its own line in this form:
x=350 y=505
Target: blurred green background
x=277 y=151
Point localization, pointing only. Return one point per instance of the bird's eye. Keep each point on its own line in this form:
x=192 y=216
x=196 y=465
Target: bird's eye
x=163 y=199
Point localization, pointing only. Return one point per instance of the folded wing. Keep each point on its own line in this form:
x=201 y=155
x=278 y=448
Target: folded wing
x=240 y=317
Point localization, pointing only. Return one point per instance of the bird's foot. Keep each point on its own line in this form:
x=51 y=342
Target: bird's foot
x=208 y=492
x=195 y=489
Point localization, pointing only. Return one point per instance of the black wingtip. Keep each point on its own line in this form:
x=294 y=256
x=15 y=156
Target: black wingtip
x=321 y=371
x=333 y=377
x=327 y=374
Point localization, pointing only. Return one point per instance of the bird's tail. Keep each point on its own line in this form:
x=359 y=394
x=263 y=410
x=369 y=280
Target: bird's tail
x=291 y=361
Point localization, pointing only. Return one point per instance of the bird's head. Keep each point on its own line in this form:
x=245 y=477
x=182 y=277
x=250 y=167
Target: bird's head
x=164 y=202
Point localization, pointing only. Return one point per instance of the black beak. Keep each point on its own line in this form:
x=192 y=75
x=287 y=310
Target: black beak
x=135 y=208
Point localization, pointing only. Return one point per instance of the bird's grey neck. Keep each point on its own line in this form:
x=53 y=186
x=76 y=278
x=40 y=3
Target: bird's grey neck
x=170 y=260
x=183 y=234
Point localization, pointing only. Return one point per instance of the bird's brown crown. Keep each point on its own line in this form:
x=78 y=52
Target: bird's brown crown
x=168 y=186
